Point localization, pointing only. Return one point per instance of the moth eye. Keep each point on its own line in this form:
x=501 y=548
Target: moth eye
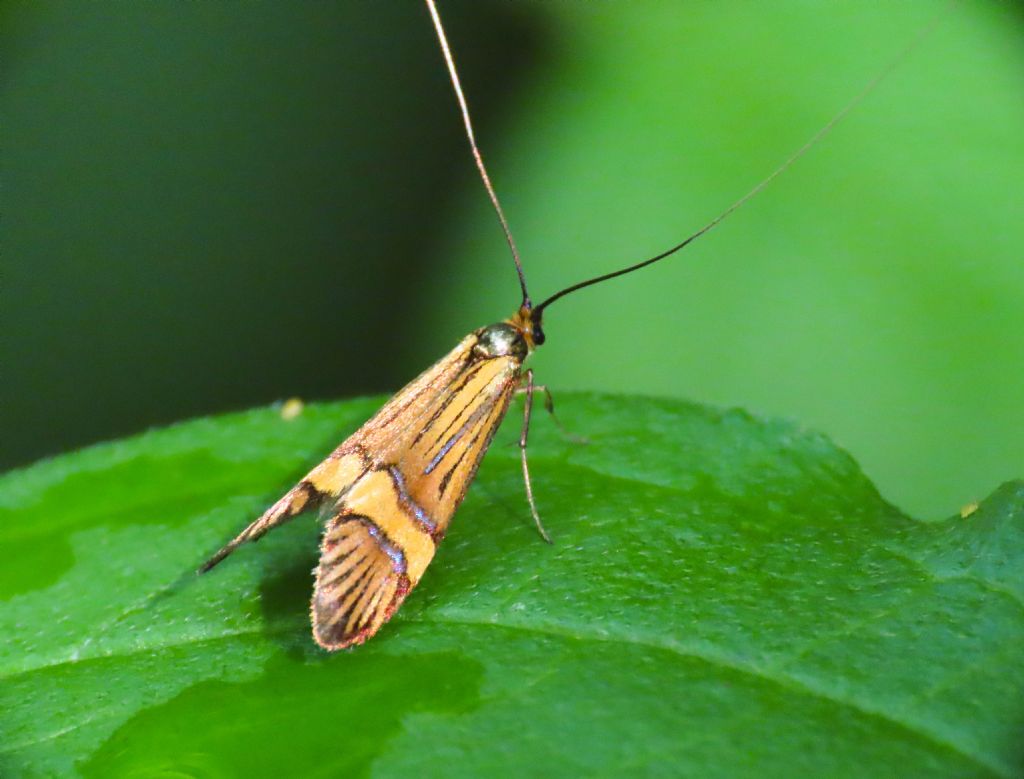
x=538 y=334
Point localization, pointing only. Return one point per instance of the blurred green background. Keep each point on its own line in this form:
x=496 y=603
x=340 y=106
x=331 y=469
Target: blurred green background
x=208 y=206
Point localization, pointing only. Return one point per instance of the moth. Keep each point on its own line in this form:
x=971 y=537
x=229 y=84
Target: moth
x=392 y=487
x=390 y=490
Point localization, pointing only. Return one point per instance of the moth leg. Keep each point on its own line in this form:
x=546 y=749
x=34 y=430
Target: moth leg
x=299 y=498
x=527 y=410
x=549 y=406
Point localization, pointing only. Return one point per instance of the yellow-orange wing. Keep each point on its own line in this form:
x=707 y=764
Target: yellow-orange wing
x=391 y=488
x=387 y=525
x=329 y=480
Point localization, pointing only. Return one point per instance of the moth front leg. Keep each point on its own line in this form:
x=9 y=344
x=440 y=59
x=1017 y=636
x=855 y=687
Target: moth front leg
x=527 y=410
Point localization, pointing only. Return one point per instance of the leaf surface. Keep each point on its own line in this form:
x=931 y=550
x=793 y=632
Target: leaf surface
x=725 y=595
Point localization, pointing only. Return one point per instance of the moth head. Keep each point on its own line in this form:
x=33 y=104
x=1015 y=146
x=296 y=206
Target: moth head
x=502 y=339
x=527 y=321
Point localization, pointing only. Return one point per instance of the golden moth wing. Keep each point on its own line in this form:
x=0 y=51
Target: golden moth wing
x=439 y=463
x=385 y=432
x=437 y=428
x=327 y=480
x=398 y=420
x=388 y=524
x=372 y=553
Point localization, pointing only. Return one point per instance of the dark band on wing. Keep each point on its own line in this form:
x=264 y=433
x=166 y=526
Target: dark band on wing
x=413 y=509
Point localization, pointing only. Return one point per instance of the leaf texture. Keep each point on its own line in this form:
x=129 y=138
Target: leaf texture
x=725 y=596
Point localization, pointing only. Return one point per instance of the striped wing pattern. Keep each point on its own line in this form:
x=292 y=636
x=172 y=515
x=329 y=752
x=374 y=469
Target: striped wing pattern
x=385 y=431
x=360 y=582
x=391 y=488
x=387 y=525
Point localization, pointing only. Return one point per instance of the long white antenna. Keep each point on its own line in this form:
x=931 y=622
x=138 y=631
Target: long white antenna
x=450 y=62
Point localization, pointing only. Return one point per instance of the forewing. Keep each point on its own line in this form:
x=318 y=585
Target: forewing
x=387 y=525
x=439 y=462
x=391 y=488
x=371 y=444
x=327 y=481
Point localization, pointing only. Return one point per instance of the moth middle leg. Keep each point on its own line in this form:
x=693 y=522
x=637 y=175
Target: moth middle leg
x=549 y=406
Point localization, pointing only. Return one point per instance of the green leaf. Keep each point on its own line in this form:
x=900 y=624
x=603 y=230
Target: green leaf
x=725 y=596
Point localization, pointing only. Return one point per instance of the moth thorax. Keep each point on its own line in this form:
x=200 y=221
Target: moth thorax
x=501 y=340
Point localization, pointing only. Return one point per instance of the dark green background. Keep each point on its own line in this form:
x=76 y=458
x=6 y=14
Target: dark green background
x=211 y=205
